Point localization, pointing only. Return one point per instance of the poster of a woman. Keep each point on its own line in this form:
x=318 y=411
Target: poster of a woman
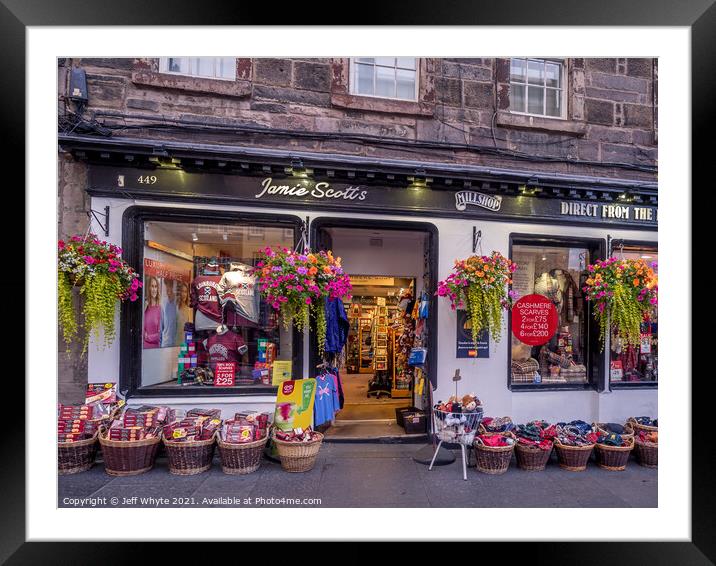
x=185 y=311
x=152 y=314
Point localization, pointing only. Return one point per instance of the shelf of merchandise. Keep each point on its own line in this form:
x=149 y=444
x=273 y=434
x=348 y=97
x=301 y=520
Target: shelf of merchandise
x=398 y=365
x=366 y=351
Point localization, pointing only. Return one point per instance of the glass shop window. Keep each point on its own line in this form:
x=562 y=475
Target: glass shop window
x=634 y=365
x=556 y=272
x=203 y=321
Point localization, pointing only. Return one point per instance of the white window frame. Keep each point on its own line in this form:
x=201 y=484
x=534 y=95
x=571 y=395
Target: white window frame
x=164 y=68
x=563 y=88
x=353 y=83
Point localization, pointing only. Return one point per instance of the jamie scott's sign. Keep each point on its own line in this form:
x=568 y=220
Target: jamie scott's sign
x=307 y=193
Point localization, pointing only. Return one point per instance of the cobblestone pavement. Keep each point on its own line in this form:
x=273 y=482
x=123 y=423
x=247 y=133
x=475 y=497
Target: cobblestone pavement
x=366 y=475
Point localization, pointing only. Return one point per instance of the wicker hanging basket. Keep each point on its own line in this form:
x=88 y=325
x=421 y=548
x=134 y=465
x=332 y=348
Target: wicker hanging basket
x=298 y=456
x=613 y=458
x=128 y=457
x=531 y=457
x=573 y=458
x=493 y=459
x=647 y=453
x=243 y=458
x=189 y=458
x=76 y=457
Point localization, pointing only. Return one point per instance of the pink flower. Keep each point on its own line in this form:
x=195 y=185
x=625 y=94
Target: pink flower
x=275 y=304
x=308 y=300
x=133 y=297
x=89 y=260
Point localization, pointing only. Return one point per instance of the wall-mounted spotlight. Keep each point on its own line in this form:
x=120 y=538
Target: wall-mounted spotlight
x=419 y=180
x=530 y=188
x=626 y=196
x=194 y=237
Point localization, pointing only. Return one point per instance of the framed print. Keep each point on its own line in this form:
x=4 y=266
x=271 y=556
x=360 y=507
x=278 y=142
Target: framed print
x=442 y=146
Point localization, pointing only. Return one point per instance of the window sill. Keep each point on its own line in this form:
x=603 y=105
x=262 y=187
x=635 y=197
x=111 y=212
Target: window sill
x=207 y=391
x=223 y=87
x=510 y=120
x=621 y=386
x=376 y=104
x=552 y=387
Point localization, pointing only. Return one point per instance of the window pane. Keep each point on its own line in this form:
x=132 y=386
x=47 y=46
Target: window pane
x=554 y=102
x=227 y=67
x=638 y=363
x=203 y=66
x=517 y=98
x=535 y=72
x=182 y=295
x=555 y=273
x=407 y=62
x=364 y=79
x=178 y=65
x=405 y=84
x=385 y=61
x=518 y=70
x=553 y=73
x=384 y=81
x=535 y=100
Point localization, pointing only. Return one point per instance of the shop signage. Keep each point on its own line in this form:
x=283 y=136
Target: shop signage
x=534 y=320
x=224 y=374
x=247 y=190
x=465 y=347
x=490 y=202
x=294 y=404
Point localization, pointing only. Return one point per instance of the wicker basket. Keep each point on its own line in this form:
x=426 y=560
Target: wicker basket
x=189 y=458
x=573 y=458
x=128 y=457
x=626 y=435
x=298 y=456
x=75 y=457
x=493 y=459
x=243 y=458
x=531 y=458
x=647 y=453
x=613 y=458
x=639 y=427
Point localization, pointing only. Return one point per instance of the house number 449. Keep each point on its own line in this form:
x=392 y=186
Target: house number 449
x=147 y=179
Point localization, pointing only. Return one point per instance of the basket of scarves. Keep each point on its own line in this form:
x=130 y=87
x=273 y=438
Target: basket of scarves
x=643 y=424
x=534 y=445
x=493 y=453
x=612 y=451
x=78 y=456
x=574 y=443
x=646 y=448
x=625 y=431
x=496 y=425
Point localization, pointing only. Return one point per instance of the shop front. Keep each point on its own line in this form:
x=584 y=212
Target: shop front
x=397 y=229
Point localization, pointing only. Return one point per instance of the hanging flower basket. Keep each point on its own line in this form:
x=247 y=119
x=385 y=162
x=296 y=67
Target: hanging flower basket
x=479 y=285
x=97 y=269
x=298 y=285
x=624 y=293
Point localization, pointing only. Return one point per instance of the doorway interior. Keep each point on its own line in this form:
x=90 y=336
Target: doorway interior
x=389 y=267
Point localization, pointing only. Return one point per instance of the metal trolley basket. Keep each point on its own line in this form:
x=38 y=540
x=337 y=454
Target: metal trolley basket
x=457 y=428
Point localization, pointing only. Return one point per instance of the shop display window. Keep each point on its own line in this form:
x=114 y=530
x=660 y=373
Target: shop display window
x=204 y=326
x=555 y=270
x=639 y=365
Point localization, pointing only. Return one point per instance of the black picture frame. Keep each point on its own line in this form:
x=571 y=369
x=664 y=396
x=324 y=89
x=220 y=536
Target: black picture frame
x=698 y=15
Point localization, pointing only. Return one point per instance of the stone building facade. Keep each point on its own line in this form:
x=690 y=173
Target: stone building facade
x=461 y=115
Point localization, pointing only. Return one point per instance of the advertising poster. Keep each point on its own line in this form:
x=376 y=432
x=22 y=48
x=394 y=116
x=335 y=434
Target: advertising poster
x=166 y=304
x=466 y=348
x=281 y=371
x=294 y=404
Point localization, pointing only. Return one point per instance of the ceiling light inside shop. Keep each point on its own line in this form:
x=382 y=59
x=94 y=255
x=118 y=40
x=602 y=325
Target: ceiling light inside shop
x=194 y=236
x=225 y=236
x=646 y=257
x=544 y=258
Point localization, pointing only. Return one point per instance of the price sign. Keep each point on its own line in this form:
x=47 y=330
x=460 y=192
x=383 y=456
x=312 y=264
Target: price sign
x=645 y=347
x=534 y=320
x=224 y=374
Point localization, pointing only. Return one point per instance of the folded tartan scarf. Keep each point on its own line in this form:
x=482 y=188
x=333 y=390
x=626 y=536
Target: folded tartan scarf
x=499 y=424
x=494 y=441
x=652 y=437
x=646 y=421
x=612 y=439
x=576 y=433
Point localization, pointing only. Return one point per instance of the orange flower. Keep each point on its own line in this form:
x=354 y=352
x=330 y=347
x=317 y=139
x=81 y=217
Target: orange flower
x=326 y=269
x=480 y=274
x=636 y=282
x=312 y=271
x=492 y=279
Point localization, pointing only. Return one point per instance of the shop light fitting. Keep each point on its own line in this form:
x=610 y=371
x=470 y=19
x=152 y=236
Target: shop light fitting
x=625 y=197
x=194 y=237
x=544 y=258
x=646 y=257
x=419 y=182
